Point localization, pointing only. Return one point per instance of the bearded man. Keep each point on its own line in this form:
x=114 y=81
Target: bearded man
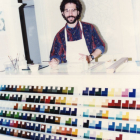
x=76 y=40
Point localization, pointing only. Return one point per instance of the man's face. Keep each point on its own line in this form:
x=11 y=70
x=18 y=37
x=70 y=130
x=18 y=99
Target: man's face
x=70 y=13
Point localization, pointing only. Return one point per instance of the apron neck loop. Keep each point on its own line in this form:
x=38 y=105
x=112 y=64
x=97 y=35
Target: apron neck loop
x=66 y=39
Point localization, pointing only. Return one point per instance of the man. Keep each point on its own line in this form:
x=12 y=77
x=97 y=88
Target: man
x=77 y=40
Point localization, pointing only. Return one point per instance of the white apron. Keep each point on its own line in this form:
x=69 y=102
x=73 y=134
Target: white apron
x=73 y=48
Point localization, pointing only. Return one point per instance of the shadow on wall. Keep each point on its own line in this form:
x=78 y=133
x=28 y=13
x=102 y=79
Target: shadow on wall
x=82 y=16
x=24 y=32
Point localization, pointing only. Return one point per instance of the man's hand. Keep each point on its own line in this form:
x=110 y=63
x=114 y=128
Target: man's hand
x=54 y=63
x=85 y=57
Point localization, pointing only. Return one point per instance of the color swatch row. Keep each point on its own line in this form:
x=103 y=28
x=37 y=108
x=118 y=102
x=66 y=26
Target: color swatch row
x=62 y=131
x=28 y=116
x=100 y=136
x=45 y=109
x=94 y=135
x=40 y=127
x=22 y=134
x=23 y=125
x=112 y=114
x=38 y=89
x=62 y=120
x=67 y=121
x=110 y=93
x=40 y=99
x=112 y=103
x=112 y=126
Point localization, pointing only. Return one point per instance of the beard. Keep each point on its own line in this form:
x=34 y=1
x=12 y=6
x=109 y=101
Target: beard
x=72 y=21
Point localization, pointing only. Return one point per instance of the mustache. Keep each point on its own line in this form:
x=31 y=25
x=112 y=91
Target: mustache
x=70 y=17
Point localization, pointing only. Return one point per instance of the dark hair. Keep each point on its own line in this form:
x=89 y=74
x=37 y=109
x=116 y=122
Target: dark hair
x=78 y=6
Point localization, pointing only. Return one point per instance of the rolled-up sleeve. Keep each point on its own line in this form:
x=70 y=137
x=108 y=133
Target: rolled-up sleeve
x=97 y=41
x=56 y=50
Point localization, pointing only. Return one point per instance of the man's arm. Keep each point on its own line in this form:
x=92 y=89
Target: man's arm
x=99 y=45
x=56 y=50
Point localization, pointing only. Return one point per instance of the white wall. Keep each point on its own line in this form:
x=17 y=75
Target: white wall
x=136 y=13
x=13 y=42
x=114 y=20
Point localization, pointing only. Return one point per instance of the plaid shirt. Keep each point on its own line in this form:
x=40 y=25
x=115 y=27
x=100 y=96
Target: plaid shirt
x=92 y=38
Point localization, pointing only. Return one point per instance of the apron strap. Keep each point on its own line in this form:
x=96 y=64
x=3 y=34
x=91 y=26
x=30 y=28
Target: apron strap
x=66 y=39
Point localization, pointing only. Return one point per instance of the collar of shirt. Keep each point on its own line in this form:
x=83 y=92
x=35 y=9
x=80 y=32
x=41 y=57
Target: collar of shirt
x=72 y=30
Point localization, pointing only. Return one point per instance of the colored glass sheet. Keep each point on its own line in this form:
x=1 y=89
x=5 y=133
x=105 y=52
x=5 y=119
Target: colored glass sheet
x=125 y=93
x=105 y=115
x=112 y=104
x=93 y=135
x=74 y=123
x=54 y=90
x=92 y=125
x=92 y=103
x=75 y=102
x=85 y=92
x=99 y=92
x=52 y=101
x=111 y=127
x=74 y=113
x=86 y=114
x=37 y=99
x=111 y=93
x=99 y=115
x=18 y=89
x=125 y=117
x=87 y=135
x=48 y=100
x=119 y=116
x=118 y=93
x=42 y=100
x=63 y=101
x=31 y=88
x=125 y=128
x=7 y=87
x=92 y=92
x=35 y=89
x=119 y=138
x=75 y=133
x=26 y=89
x=125 y=105
x=59 y=91
x=86 y=124
x=105 y=104
x=58 y=101
x=49 y=90
x=100 y=136
x=134 y=129
x=57 y=120
x=105 y=93
x=117 y=105
x=45 y=89
x=70 y=92
x=40 y=89
x=133 y=105
x=133 y=93
x=7 y=97
x=68 y=122
x=119 y=128
x=98 y=126
x=22 y=89
x=4 y=88
x=65 y=90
